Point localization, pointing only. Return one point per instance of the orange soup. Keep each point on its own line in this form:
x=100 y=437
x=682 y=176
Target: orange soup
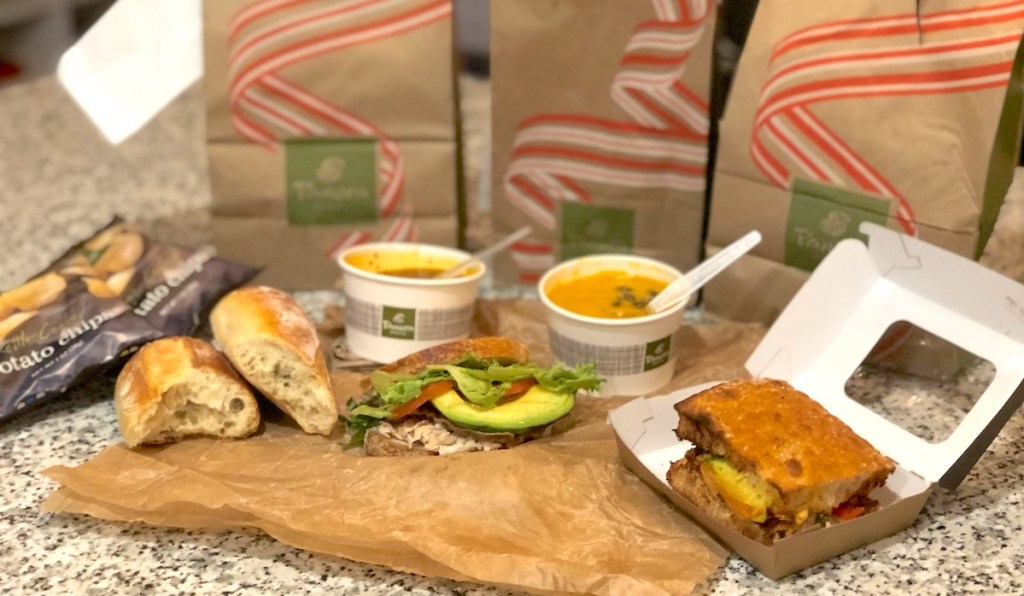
x=413 y=272
x=606 y=294
x=407 y=264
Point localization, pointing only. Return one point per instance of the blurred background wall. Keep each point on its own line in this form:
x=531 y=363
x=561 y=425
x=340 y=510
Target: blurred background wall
x=34 y=33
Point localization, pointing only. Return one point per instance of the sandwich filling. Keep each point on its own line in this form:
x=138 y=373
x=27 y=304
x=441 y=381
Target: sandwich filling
x=751 y=498
x=430 y=434
x=470 y=405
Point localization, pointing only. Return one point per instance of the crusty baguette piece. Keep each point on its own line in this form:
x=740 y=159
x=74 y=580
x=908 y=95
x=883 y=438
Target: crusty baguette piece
x=811 y=459
x=179 y=387
x=273 y=343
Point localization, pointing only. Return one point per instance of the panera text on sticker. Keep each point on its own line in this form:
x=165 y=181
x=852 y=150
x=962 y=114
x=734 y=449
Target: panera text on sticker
x=331 y=182
x=820 y=216
x=657 y=353
x=398 y=323
x=589 y=229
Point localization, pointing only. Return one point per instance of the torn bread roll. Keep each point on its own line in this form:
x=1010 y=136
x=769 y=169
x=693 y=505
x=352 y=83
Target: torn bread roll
x=273 y=343
x=178 y=387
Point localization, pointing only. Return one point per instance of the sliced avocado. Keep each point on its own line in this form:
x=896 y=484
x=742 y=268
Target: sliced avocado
x=748 y=495
x=536 y=407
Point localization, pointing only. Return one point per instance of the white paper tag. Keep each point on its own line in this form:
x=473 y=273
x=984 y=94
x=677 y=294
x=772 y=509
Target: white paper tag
x=137 y=58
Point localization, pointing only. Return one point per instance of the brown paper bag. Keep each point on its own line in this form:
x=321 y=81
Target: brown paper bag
x=328 y=124
x=558 y=515
x=842 y=113
x=600 y=124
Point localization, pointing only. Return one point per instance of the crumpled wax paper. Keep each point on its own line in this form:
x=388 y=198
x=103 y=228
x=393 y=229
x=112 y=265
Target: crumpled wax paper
x=558 y=515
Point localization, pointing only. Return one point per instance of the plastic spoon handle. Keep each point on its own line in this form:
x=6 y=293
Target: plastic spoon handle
x=485 y=254
x=695 y=278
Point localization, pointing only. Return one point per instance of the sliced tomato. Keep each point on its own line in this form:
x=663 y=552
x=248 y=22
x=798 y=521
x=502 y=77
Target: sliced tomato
x=429 y=392
x=516 y=389
x=846 y=512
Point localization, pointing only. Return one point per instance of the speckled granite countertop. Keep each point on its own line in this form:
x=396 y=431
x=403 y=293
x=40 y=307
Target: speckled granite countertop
x=59 y=181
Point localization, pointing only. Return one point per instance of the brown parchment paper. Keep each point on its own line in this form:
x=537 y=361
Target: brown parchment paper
x=560 y=515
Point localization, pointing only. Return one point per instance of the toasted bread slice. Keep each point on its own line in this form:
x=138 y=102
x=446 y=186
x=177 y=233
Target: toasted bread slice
x=502 y=349
x=811 y=459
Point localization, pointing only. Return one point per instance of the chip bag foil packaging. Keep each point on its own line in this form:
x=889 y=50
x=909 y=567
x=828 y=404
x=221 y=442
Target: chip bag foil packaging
x=600 y=129
x=328 y=124
x=102 y=299
x=902 y=114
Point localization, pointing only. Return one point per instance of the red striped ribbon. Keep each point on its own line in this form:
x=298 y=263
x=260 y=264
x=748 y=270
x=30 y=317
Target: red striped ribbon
x=810 y=67
x=558 y=157
x=270 y=35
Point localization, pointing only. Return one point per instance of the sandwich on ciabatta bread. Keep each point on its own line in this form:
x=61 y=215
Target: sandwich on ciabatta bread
x=770 y=461
x=468 y=395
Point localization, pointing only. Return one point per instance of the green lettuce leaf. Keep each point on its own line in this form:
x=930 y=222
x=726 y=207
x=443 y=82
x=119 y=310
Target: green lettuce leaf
x=356 y=425
x=562 y=379
x=370 y=412
x=475 y=387
x=381 y=380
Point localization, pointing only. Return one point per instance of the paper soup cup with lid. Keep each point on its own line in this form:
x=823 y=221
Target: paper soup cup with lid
x=394 y=307
x=594 y=310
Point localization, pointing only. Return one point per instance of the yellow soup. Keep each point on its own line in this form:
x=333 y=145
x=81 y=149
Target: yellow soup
x=405 y=264
x=606 y=294
x=414 y=272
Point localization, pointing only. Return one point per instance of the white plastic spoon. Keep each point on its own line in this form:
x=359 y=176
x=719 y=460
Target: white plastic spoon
x=695 y=278
x=485 y=253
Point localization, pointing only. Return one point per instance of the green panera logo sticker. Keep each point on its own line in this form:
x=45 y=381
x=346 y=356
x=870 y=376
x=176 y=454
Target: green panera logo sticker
x=589 y=229
x=657 y=353
x=820 y=216
x=331 y=182
x=398 y=323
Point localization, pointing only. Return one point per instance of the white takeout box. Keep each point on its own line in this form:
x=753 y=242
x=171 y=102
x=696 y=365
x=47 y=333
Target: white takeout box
x=817 y=343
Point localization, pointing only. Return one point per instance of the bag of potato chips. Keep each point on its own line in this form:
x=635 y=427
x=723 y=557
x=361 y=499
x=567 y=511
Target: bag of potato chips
x=101 y=300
